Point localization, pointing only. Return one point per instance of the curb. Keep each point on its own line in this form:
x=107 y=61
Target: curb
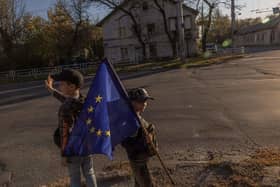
x=214 y=63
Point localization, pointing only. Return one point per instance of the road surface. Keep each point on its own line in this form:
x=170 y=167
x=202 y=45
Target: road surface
x=230 y=108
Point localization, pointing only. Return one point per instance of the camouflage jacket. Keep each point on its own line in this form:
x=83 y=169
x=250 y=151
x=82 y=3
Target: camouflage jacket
x=67 y=115
x=137 y=146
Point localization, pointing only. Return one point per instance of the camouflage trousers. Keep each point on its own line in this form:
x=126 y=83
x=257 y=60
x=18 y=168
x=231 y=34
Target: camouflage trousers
x=141 y=173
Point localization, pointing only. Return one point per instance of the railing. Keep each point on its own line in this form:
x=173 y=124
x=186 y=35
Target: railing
x=236 y=50
x=35 y=73
x=228 y=51
x=85 y=68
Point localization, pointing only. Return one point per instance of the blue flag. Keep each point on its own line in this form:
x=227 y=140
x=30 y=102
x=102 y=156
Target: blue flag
x=106 y=119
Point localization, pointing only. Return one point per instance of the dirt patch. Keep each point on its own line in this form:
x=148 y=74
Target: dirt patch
x=119 y=166
x=249 y=172
x=266 y=157
x=262 y=168
x=60 y=183
x=226 y=174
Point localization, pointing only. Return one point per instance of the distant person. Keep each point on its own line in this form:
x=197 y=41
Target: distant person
x=70 y=83
x=138 y=147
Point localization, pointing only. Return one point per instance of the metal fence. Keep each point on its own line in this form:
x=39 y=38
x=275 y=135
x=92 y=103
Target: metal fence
x=227 y=51
x=236 y=50
x=35 y=73
x=85 y=68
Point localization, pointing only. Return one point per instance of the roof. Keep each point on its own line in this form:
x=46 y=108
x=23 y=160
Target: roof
x=126 y=1
x=261 y=26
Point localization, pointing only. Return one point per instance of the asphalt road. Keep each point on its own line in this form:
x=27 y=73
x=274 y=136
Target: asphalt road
x=19 y=92
x=228 y=108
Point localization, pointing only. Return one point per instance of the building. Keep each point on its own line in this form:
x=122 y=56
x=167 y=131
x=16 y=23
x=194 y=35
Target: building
x=263 y=34
x=121 y=44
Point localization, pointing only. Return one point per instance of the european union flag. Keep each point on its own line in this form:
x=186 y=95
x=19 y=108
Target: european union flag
x=106 y=119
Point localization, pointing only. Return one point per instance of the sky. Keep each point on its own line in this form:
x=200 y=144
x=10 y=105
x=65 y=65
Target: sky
x=39 y=7
x=257 y=4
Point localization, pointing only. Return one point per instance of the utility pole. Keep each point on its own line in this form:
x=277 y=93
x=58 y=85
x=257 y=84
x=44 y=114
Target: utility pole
x=202 y=17
x=232 y=21
x=181 y=27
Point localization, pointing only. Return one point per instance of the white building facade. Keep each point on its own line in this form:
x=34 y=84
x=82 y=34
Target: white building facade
x=121 y=44
x=263 y=34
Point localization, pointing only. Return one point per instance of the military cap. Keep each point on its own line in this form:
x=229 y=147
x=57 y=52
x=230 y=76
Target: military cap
x=70 y=75
x=139 y=94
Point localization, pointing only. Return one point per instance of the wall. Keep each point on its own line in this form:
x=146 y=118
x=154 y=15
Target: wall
x=113 y=42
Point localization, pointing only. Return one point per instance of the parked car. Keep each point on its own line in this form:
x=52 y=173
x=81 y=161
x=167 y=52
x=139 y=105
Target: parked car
x=212 y=47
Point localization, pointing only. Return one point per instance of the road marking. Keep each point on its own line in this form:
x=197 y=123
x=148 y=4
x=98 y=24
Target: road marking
x=263 y=58
x=32 y=87
x=20 y=89
x=14 y=105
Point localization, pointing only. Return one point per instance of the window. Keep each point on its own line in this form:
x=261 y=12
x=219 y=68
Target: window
x=263 y=35
x=124 y=53
x=272 y=35
x=122 y=31
x=173 y=24
x=187 y=22
x=153 y=50
x=151 y=29
x=145 y=5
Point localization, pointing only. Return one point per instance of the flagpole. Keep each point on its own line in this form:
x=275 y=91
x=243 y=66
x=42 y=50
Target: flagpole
x=148 y=138
x=157 y=153
x=116 y=75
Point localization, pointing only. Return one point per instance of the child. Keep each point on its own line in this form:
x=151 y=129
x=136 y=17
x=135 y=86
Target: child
x=70 y=82
x=138 y=147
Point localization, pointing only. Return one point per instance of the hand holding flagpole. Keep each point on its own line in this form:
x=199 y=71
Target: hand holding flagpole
x=148 y=138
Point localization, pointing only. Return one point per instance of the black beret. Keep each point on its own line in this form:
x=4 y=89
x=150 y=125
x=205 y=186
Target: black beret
x=70 y=75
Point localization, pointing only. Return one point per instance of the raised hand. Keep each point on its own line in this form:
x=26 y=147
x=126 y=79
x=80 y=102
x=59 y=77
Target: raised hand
x=49 y=83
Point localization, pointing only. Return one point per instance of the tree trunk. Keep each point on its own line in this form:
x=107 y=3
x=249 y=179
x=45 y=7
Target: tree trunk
x=172 y=40
x=74 y=41
x=207 y=28
x=138 y=33
x=7 y=43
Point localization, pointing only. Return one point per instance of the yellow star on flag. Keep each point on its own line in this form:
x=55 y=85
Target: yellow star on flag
x=90 y=109
x=92 y=130
x=99 y=132
x=98 y=99
x=108 y=133
x=88 y=122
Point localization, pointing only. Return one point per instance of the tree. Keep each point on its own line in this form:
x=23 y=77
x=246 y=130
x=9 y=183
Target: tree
x=77 y=11
x=58 y=33
x=212 y=5
x=171 y=37
x=13 y=21
x=207 y=26
x=32 y=41
x=69 y=30
x=220 y=29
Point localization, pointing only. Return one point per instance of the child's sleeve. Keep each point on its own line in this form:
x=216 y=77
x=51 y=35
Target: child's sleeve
x=59 y=96
x=67 y=122
x=65 y=135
